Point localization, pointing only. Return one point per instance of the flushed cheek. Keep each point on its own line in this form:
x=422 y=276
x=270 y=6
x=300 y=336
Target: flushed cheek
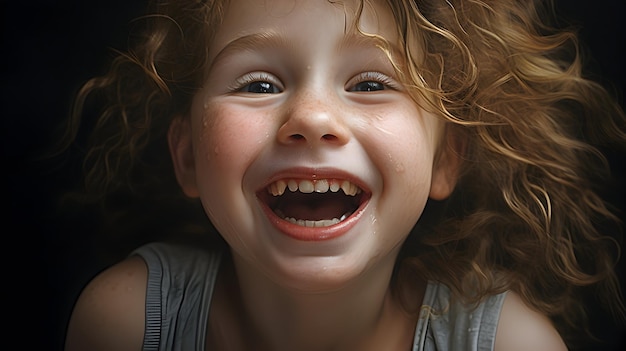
x=402 y=146
x=229 y=140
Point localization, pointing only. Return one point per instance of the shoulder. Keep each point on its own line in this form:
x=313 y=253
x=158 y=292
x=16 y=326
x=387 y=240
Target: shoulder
x=521 y=328
x=110 y=312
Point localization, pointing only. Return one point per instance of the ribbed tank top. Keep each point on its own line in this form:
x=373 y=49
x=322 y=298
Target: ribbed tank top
x=180 y=286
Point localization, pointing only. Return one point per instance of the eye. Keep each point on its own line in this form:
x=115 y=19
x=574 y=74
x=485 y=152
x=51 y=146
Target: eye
x=371 y=81
x=260 y=88
x=368 y=86
x=257 y=83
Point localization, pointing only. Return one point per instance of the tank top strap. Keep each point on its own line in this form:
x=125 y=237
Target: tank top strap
x=445 y=323
x=180 y=286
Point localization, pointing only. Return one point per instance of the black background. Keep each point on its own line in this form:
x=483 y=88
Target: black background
x=48 y=49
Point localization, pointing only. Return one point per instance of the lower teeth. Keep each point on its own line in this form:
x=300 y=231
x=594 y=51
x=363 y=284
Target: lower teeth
x=312 y=224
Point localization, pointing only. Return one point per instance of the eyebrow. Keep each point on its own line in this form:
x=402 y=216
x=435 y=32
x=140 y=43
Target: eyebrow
x=367 y=40
x=266 y=40
x=390 y=49
x=275 y=40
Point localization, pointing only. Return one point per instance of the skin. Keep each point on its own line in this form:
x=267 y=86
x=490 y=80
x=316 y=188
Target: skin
x=309 y=294
x=236 y=143
x=310 y=121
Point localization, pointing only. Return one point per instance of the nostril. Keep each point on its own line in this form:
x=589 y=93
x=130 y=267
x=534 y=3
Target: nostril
x=329 y=137
x=297 y=136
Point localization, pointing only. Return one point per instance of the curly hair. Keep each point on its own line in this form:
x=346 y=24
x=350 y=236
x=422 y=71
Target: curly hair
x=527 y=214
x=128 y=176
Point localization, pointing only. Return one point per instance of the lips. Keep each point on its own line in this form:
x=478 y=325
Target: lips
x=313 y=209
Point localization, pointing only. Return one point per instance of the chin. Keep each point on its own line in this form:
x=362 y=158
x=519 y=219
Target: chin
x=326 y=274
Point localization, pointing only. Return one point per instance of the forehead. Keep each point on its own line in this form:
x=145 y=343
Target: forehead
x=304 y=21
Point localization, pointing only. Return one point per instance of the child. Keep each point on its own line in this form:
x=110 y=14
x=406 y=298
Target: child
x=382 y=175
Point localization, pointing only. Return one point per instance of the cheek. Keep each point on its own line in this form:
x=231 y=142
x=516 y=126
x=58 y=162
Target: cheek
x=228 y=140
x=402 y=145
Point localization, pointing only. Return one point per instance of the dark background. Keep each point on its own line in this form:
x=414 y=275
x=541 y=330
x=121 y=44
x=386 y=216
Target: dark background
x=48 y=49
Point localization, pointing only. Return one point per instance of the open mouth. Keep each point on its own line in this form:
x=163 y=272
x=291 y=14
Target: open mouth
x=313 y=203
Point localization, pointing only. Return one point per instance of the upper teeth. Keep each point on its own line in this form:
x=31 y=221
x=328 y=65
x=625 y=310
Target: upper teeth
x=308 y=186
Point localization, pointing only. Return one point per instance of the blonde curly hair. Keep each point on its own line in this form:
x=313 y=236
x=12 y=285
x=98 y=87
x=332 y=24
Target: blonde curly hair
x=526 y=216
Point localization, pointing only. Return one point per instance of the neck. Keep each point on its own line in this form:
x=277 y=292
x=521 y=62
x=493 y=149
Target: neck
x=362 y=314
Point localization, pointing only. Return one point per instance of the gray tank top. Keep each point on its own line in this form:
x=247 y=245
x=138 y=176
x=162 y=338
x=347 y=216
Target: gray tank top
x=180 y=286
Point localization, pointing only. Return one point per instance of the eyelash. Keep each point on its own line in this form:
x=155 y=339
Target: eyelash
x=373 y=76
x=253 y=77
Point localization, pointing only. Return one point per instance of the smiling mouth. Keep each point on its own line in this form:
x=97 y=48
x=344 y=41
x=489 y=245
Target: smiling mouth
x=313 y=203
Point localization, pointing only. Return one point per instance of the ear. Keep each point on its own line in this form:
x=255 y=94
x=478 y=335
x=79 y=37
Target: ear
x=447 y=166
x=181 y=150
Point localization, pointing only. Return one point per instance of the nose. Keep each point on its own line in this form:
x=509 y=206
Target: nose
x=314 y=122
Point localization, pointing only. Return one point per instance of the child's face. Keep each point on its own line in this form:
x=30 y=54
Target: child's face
x=286 y=103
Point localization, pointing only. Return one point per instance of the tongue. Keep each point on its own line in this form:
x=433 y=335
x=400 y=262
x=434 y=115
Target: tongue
x=314 y=207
